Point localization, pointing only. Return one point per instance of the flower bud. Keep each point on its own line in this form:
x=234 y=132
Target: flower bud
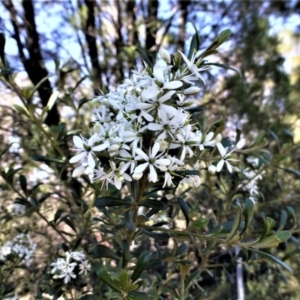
x=191 y=90
x=212 y=169
x=165 y=55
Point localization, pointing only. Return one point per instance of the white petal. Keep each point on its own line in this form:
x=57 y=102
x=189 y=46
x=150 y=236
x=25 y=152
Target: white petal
x=141 y=168
x=169 y=109
x=141 y=153
x=155 y=149
x=212 y=169
x=191 y=90
x=101 y=147
x=185 y=58
x=172 y=85
x=144 y=106
x=78 y=171
x=91 y=161
x=220 y=165
x=78 y=142
x=221 y=149
x=166 y=97
x=159 y=73
x=209 y=136
x=152 y=174
x=137 y=176
x=162 y=161
x=155 y=127
x=150 y=93
x=228 y=165
x=147 y=116
x=77 y=157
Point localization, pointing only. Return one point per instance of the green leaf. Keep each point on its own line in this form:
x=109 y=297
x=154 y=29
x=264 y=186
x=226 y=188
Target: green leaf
x=200 y=223
x=195 y=43
x=124 y=280
x=36 y=87
x=110 y=201
x=275 y=137
x=269 y=224
x=153 y=204
x=9 y=176
x=82 y=101
x=259 y=138
x=185 y=210
x=46 y=159
x=223 y=66
x=105 y=277
x=2 y=47
x=125 y=253
x=103 y=251
x=23 y=183
x=138 y=296
x=5 y=149
x=292 y=212
x=181 y=249
x=236 y=224
x=69 y=221
x=21 y=110
x=283 y=219
x=292 y=171
x=128 y=222
x=44 y=197
x=145 y=56
x=193 y=276
x=273 y=259
x=162 y=236
x=249 y=209
x=223 y=37
x=57 y=215
x=141 y=265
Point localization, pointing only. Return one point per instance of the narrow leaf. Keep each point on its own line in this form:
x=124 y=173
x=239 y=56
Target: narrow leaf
x=274 y=259
x=223 y=66
x=249 y=209
x=236 y=224
x=105 y=277
x=141 y=265
x=110 y=201
x=185 y=210
x=103 y=251
x=152 y=204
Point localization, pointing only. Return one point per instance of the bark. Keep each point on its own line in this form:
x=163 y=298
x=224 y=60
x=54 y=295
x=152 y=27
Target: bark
x=183 y=4
x=90 y=36
x=34 y=65
x=151 y=24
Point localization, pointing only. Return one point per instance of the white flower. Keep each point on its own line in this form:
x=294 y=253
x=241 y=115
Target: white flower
x=152 y=161
x=87 y=148
x=207 y=142
x=223 y=152
x=158 y=73
x=117 y=174
x=154 y=103
x=84 y=267
x=192 y=67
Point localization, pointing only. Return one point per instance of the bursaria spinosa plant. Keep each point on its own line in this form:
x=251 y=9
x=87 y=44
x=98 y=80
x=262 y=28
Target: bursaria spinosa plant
x=144 y=201
x=145 y=151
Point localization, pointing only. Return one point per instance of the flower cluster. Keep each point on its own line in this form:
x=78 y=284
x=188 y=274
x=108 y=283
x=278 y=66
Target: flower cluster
x=66 y=267
x=145 y=128
x=21 y=247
